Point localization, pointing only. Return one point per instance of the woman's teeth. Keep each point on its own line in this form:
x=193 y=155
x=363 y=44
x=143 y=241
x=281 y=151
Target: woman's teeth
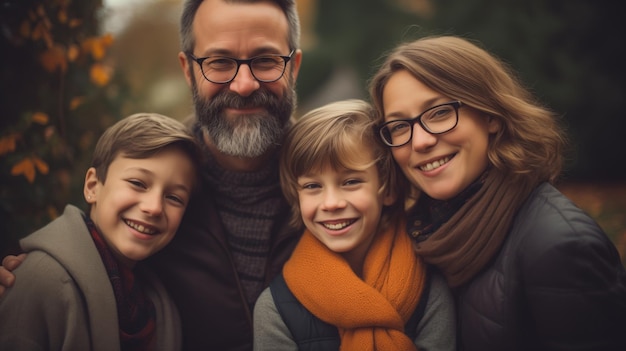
x=435 y=164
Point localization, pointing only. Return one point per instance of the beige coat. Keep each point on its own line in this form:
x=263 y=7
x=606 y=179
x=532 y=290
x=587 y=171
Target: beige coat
x=62 y=298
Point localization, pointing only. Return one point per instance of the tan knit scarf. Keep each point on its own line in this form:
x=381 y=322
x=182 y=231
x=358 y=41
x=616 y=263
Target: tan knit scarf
x=463 y=245
x=370 y=314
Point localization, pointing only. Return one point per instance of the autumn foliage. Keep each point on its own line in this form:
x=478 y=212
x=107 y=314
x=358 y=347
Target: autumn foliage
x=57 y=98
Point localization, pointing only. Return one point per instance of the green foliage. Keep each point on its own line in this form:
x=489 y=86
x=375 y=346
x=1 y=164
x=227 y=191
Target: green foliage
x=56 y=101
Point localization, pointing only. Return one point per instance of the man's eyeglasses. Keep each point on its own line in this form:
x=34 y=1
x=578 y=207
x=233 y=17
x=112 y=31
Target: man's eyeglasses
x=222 y=69
x=436 y=120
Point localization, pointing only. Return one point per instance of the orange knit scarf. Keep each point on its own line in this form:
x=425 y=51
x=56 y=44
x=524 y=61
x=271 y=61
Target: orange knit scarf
x=370 y=314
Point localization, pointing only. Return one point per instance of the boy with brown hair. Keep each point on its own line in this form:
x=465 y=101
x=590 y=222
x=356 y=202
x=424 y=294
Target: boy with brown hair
x=80 y=287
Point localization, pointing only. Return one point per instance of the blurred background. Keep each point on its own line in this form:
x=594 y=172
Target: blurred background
x=71 y=68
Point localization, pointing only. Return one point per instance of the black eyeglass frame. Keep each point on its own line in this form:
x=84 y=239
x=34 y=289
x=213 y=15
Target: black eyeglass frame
x=200 y=60
x=382 y=129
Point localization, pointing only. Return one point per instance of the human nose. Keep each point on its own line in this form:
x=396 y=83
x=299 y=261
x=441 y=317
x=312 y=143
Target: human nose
x=333 y=200
x=244 y=82
x=152 y=204
x=422 y=139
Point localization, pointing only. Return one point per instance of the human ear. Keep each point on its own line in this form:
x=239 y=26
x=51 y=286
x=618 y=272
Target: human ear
x=296 y=61
x=493 y=124
x=184 y=65
x=90 y=188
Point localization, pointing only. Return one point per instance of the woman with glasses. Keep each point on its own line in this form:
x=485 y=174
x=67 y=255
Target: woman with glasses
x=529 y=270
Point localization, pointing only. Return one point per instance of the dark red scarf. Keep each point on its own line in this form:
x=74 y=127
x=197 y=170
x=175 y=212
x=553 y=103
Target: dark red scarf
x=135 y=311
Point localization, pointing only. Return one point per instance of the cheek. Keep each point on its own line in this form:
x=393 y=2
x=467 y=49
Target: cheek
x=206 y=89
x=307 y=209
x=175 y=216
x=401 y=155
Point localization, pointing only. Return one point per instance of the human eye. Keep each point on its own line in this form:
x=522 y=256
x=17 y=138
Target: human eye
x=219 y=63
x=176 y=199
x=266 y=62
x=310 y=186
x=398 y=127
x=438 y=113
x=136 y=183
x=353 y=182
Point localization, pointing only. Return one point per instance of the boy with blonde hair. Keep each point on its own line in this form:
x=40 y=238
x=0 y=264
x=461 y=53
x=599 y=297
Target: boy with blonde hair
x=353 y=281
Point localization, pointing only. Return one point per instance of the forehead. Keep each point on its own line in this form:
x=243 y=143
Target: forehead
x=240 y=29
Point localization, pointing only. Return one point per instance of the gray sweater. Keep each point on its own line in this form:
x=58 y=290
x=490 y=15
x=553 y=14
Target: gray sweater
x=436 y=330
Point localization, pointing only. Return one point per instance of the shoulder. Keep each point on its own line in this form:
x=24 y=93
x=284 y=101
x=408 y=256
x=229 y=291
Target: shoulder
x=551 y=236
x=265 y=303
x=437 y=327
x=41 y=284
x=270 y=331
x=549 y=218
x=62 y=228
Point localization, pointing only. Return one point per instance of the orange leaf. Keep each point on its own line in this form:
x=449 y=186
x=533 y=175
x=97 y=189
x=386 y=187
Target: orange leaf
x=25 y=167
x=76 y=101
x=25 y=29
x=48 y=133
x=72 y=52
x=97 y=50
x=40 y=118
x=54 y=58
x=41 y=165
x=37 y=32
x=7 y=144
x=52 y=212
x=100 y=74
x=75 y=22
x=107 y=39
x=62 y=15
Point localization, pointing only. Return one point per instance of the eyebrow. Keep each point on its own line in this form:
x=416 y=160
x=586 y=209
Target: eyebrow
x=430 y=103
x=265 y=50
x=146 y=171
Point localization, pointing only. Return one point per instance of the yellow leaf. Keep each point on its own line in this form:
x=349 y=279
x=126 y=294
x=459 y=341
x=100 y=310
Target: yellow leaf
x=100 y=75
x=25 y=167
x=41 y=165
x=40 y=118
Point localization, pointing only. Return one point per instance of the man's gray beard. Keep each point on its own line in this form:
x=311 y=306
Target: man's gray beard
x=249 y=135
x=246 y=136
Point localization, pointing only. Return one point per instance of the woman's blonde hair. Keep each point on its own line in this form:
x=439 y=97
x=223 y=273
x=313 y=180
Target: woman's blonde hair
x=529 y=144
x=334 y=135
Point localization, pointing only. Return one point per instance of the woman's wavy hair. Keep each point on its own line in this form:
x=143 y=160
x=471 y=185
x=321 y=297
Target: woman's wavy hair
x=529 y=143
x=336 y=135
